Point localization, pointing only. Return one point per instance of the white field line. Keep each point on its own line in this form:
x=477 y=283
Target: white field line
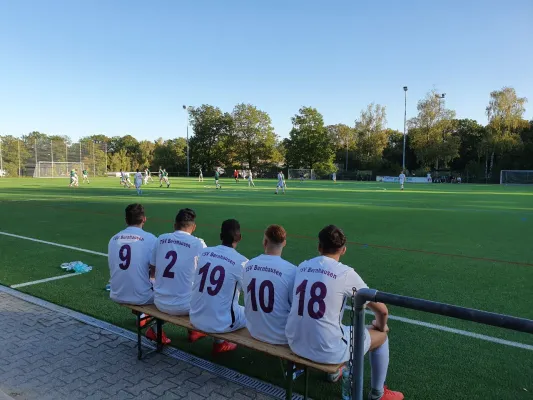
x=54 y=244
x=442 y=328
x=392 y=317
x=53 y=278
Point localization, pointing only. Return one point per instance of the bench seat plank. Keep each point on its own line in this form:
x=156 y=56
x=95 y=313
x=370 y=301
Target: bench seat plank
x=241 y=337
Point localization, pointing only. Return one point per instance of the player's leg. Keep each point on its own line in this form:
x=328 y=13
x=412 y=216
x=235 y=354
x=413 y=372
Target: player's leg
x=168 y=182
x=379 y=365
x=222 y=346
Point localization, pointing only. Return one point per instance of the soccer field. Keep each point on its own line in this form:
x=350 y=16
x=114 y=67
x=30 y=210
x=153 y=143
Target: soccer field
x=468 y=245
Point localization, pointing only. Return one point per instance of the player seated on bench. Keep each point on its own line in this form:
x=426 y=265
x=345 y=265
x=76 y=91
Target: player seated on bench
x=314 y=329
x=269 y=281
x=128 y=255
x=175 y=258
x=217 y=285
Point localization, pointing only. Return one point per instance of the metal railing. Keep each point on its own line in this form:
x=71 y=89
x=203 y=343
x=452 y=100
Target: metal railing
x=468 y=314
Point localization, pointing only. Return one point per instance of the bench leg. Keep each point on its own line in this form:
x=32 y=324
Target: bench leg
x=306 y=373
x=139 y=337
x=159 y=325
x=288 y=377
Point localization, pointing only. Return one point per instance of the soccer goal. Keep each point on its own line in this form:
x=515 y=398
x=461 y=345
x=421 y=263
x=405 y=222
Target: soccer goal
x=48 y=169
x=304 y=173
x=516 y=177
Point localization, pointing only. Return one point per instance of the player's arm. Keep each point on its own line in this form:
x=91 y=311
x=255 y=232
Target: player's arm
x=353 y=280
x=381 y=313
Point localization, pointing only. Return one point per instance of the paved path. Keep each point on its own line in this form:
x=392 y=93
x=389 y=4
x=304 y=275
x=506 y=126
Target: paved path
x=46 y=355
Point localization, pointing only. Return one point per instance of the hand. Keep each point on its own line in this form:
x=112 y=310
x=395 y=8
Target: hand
x=375 y=324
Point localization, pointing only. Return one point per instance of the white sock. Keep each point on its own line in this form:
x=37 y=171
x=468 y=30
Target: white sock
x=379 y=363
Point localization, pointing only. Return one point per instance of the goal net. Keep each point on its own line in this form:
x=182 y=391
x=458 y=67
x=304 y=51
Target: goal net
x=516 y=177
x=304 y=173
x=47 y=169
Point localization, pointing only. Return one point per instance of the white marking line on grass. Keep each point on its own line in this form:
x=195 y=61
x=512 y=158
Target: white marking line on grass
x=53 y=278
x=392 y=317
x=456 y=331
x=54 y=244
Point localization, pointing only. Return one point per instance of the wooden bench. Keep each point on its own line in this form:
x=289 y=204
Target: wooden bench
x=241 y=337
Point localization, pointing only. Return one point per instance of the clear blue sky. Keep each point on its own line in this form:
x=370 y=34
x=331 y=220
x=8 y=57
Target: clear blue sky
x=78 y=67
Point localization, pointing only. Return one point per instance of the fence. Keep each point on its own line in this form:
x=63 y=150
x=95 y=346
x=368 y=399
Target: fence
x=20 y=157
x=468 y=314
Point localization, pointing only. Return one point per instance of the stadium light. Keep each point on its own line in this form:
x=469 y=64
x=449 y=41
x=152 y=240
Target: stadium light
x=404 y=126
x=187 y=111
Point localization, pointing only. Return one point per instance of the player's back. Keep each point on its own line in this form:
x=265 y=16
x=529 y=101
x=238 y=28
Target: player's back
x=216 y=289
x=175 y=257
x=129 y=254
x=314 y=327
x=268 y=281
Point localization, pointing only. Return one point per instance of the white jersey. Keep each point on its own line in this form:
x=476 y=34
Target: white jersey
x=138 y=178
x=250 y=178
x=281 y=178
x=314 y=328
x=334 y=176
x=122 y=176
x=268 y=281
x=175 y=257
x=217 y=286
x=402 y=178
x=128 y=255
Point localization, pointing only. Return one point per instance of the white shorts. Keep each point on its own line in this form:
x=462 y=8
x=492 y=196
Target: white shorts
x=171 y=310
x=138 y=184
x=280 y=184
x=346 y=329
x=401 y=182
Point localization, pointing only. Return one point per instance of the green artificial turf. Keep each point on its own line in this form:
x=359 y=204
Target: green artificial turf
x=468 y=245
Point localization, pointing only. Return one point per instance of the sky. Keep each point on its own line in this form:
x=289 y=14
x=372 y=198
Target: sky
x=81 y=67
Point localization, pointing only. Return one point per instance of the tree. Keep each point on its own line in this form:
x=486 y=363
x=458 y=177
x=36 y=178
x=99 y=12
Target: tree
x=309 y=144
x=171 y=155
x=14 y=155
x=255 y=140
x=145 y=156
x=470 y=135
x=505 y=114
x=431 y=132
x=211 y=142
x=343 y=139
x=371 y=136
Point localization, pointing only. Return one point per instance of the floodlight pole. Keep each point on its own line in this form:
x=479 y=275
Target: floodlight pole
x=404 y=126
x=188 y=163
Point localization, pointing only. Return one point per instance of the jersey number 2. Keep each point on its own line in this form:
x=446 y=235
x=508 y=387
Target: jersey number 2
x=173 y=256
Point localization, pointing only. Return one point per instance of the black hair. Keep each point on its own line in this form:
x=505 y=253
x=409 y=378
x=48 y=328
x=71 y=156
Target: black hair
x=185 y=218
x=134 y=214
x=331 y=239
x=230 y=232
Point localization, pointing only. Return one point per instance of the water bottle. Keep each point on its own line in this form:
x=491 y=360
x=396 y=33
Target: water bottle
x=345 y=384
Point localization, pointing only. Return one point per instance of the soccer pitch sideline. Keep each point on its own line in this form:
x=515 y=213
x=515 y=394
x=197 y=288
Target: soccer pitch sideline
x=468 y=245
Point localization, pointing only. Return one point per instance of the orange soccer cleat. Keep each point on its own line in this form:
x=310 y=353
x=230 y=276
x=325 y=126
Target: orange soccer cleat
x=195 y=335
x=390 y=395
x=150 y=334
x=223 y=347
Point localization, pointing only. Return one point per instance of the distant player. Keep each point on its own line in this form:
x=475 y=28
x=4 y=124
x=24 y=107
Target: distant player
x=269 y=281
x=250 y=179
x=128 y=255
x=430 y=180
x=160 y=175
x=200 y=176
x=402 y=179
x=164 y=178
x=314 y=327
x=215 y=295
x=236 y=176
x=281 y=182
x=73 y=178
x=301 y=176
x=146 y=176
x=217 y=178
x=85 y=176
x=175 y=259
x=138 y=180
x=334 y=177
